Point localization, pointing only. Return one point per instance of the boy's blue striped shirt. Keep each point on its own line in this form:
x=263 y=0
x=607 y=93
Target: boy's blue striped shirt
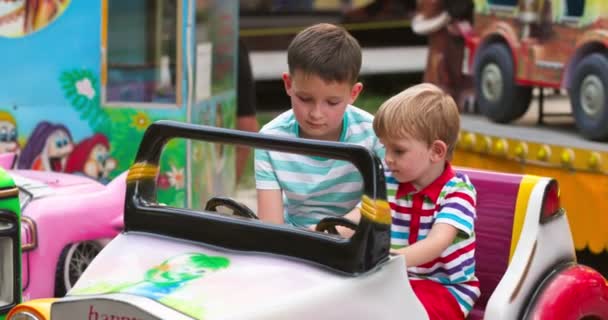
x=314 y=187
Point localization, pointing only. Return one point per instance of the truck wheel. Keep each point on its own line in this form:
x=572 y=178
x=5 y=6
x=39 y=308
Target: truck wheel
x=499 y=98
x=589 y=96
x=74 y=259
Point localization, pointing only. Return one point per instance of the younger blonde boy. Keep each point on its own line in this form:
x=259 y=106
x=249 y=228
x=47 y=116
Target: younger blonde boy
x=433 y=207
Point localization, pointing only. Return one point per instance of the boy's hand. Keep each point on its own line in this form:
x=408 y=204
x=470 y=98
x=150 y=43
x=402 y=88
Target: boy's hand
x=342 y=231
x=399 y=251
x=345 y=232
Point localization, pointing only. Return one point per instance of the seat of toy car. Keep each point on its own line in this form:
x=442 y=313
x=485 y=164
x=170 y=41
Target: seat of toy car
x=496 y=203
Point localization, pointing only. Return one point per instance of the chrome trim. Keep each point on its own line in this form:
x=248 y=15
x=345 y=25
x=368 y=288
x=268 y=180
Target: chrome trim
x=524 y=274
x=34 y=233
x=549 y=64
x=9 y=192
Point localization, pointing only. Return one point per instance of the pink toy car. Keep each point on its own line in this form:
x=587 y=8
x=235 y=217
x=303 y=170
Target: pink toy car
x=66 y=220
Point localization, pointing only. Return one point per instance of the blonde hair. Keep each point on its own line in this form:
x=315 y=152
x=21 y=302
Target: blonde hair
x=423 y=112
x=6 y=116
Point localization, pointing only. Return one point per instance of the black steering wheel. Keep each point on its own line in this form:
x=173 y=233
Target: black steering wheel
x=238 y=209
x=329 y=225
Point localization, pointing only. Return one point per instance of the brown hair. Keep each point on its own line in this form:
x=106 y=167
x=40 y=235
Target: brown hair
x=326 y=50
x=424 y=112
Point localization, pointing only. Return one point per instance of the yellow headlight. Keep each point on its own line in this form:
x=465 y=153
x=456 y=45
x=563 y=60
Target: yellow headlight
x=39 y=309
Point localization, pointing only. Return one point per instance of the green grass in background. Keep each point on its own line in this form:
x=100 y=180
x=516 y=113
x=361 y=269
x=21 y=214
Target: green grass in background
x=367 y=101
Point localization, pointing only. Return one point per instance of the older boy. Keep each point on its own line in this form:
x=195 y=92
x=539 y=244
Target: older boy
x=433 y=207
x=324 y=62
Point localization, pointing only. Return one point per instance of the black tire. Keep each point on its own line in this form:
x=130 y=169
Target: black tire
x=589 y=96
x=502 y=101
x=63 y=284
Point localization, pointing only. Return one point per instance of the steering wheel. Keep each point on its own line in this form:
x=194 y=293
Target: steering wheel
x=329 y=225
x=238 y=209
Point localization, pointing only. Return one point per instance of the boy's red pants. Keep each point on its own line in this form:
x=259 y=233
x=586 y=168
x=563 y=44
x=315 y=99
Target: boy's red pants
x=439 y=303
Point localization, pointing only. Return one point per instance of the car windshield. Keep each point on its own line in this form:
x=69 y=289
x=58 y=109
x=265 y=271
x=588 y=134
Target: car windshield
x=358 y=254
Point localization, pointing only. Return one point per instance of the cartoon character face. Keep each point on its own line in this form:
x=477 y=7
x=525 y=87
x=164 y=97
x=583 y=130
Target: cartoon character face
x=59 y=145
x=430 y=8
x=8 y=137
x=431 y=16
x=99 y=163
x=184 y=268
x=19 y=18
x=12 y=18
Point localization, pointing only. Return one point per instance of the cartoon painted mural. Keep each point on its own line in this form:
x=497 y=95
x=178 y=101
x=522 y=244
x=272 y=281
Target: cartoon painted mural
x=19 y=18
x=74 y=101
x=166 y=277
x=164 y=280
x=47 y=148
x=91 y=157
x=8 y=133
x=219 y=111
x=445 y=24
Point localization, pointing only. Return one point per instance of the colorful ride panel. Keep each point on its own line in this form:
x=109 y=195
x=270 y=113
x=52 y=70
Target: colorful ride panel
x=82 y=80
x=579 y=166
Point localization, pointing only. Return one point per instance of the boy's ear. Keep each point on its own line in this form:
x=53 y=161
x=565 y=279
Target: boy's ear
x=355 y=91
x=439 y=151
x=287 y=82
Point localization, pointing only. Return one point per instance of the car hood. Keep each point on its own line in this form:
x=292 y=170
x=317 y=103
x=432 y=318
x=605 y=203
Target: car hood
x=42 y=183
x=212 y=283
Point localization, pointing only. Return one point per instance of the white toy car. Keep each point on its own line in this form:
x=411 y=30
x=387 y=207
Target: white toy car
x=172 y=263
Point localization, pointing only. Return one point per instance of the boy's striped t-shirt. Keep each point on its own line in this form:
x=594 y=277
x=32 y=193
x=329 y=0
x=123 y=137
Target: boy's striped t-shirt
x=314 y=187
x=449 y=199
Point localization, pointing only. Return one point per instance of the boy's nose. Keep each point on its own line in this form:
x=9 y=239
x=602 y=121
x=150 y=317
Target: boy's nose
x=315 y=112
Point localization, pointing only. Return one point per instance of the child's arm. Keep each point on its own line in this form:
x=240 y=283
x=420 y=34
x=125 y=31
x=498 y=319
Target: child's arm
x=438 y=240
x=270 y=206
x=354 y=215
x=456 y=215
x=270 y=195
